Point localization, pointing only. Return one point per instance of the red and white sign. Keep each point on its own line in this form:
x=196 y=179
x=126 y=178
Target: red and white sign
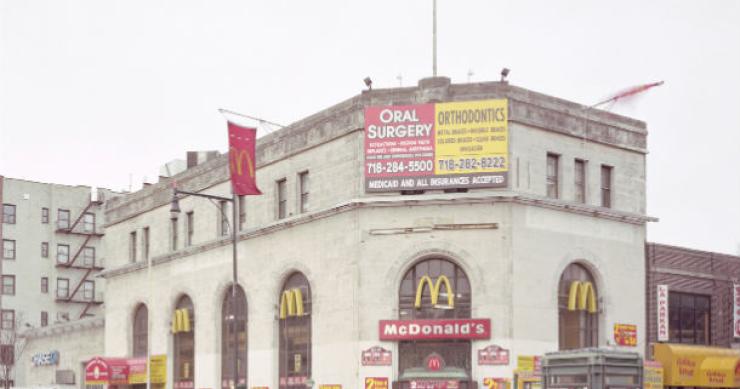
x=736 y=310
x=106 y=371
x=493 y=355
x=435 y=329
x=663 y=313
x=376 y=356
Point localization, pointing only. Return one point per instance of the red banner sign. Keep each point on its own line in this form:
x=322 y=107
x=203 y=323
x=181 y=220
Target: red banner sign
x=106 y=371
x=242 y=162
x=435 y=329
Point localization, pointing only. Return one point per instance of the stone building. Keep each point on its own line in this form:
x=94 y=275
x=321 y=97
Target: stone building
x=342 y=283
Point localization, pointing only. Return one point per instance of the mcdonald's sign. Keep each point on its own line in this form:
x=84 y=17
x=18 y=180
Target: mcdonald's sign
x=434 y=289
x=181 y=321
x=291 y=303
x=582 y=297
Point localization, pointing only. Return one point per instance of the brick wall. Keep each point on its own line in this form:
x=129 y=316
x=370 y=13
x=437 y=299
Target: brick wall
x=693 y=271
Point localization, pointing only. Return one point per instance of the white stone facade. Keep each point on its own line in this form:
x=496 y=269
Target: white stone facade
x=354 y=248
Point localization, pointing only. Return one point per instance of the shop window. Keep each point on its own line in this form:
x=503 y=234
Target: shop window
x=183 y=329
x=553 y=175
x=140 y=331
x=8 y=213
x=234 y=332
x=435 y=288
x=295 y=332
x=689 y=318
x=578 y=310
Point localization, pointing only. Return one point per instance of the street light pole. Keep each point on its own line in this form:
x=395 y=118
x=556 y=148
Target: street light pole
x=174 y=212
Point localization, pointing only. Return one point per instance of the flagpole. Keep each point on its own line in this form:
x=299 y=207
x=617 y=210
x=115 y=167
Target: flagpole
x=234 y=206
x=223 y=111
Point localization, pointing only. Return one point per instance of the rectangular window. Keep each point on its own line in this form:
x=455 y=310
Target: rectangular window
x=303 y=182
x=689 y=318
x=62 y=253
x=88 y=222
x=173 y=227
x=8 y=249
x=8 y=213
x=44 y=249
x=63 y=288
x=145 y=244
x=44 y=318
x=88 y=256
x=45 y=215
x=242 y=212
x=132 y=246
x=606 y=186
x=44 y=284
x=88 y=290
x=223 y=228
x=8 y=285
x=553 y=175
x=282 y=200
x=190 y=228
x=580 y=180
x=8 y=319
x=62 y=218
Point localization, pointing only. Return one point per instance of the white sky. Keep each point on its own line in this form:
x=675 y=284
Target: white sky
x=96 y=92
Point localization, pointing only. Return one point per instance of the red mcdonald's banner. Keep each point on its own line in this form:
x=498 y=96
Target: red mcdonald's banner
x=242 y=163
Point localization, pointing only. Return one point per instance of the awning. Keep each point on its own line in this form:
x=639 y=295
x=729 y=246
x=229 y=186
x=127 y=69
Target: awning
x=707 y=367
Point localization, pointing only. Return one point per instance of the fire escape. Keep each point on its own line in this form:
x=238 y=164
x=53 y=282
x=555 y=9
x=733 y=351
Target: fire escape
x=85 y=226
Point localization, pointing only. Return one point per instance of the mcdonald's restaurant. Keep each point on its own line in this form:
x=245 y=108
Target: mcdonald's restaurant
x=483 y=226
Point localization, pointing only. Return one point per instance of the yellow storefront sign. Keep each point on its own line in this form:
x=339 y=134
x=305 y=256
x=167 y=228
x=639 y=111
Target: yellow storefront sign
x=471 y=137
x=138 y=372
x=652 y=376
x=707 y=367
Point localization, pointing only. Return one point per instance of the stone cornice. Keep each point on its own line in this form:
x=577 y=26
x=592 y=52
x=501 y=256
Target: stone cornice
x=392 y=201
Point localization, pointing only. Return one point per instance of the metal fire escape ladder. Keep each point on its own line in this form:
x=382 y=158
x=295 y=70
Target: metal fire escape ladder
x=77 y=254
x=82 y=214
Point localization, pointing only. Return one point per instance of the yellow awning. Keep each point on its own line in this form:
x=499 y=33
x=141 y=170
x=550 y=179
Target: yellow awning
x=707 y=367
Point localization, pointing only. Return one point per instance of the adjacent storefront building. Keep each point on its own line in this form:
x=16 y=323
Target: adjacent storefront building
x=694 y=316
x=438 y=236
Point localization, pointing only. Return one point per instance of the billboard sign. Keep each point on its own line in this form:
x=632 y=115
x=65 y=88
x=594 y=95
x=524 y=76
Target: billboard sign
x=376 y=356
x=493 y=355
x=463 y=144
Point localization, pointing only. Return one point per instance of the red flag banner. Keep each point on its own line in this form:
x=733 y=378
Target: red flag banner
x=242 y=141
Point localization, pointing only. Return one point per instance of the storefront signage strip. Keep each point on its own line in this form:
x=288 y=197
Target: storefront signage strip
x=663 y=313
x=435 y=329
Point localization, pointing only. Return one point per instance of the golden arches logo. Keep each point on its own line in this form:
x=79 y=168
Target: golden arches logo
x=181 y=321
x=291 y=303
x=582 y=297
x=238 y=159
x=434 y=289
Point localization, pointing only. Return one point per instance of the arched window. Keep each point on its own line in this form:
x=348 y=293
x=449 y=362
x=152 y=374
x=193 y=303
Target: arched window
x=183 y=330
x=578 y=308
x=234 y=331
x=434 y=288
x=295 y=332
x=140 y=331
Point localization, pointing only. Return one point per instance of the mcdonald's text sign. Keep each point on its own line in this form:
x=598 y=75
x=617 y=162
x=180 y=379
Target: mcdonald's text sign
x=435 y=329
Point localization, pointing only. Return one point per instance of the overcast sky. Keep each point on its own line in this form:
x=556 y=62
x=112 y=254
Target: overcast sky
x=104 y=92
